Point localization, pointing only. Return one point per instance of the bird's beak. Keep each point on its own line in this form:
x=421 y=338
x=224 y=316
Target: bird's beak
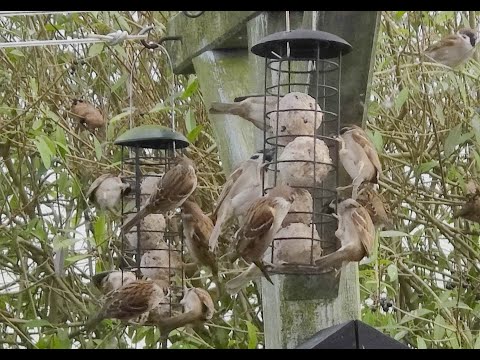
x=98 y=278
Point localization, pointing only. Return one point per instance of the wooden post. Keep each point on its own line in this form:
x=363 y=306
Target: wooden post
x=296 y=306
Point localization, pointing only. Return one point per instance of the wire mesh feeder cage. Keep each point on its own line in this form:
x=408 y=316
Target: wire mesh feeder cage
x=301 y=118
x=152 y=249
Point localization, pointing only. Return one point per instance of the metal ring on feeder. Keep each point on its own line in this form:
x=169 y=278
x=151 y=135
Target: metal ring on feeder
x=303 y=73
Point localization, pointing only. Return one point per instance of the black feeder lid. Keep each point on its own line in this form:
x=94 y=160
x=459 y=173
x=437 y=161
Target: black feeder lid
x=353 y=334
x=303 y=45
x=152 y=137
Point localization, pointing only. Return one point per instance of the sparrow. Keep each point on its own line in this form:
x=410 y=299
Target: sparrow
x=197 y=228
x=107 y=190
x=147 y=186
x=355 y=232
x=301 y=209
x=242 y=187
x=152 y=231
x=108 y=281
x=292 y=245
x=295 y=164
x=358 y=157
x=471 y=209
x=161 y=263
x=262 y=221
x=453 y=50
x=377 y=207
x=198 y=307
x=88 y=115
x=170 y=192
x=292 y=120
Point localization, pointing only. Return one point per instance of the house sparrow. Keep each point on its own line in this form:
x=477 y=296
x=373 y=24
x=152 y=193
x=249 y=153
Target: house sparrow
x=88 y=115
x=108 y=281
x=376 y=206
x=453 y=50
x=171 y=191
x=262 y=221
x=359 y=157
x=197 y=228
x=152 y=231
x=295 y=164
x=107 y=190
x=198 y=307
x=356 y=233
x=301 y=209
x=161 y=263
x=471 y=209
x=295 y=251
x=148 y=185
x=242 y=187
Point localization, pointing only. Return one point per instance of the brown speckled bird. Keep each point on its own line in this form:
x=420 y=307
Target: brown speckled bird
x=106 y=191
x=471 y=209
x=453 y=50
x=88 y=115
x=376 y=206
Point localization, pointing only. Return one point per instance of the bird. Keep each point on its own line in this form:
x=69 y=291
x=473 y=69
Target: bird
x=356 y=233
x=297 y=250
x=453 y=50
x=295 y=164
x=108 y=281
x=171 y=191
x=152 y=231
x=197 y=228
x=262 y=221
x=301 y=210
x=89 y=116
x=198 y=308
x=147 y=186
x=358 y=157
x=471 y=209
x=291 y=120
x=107 y=190
x=161 y=263
x=377 y=207
x=241 y=188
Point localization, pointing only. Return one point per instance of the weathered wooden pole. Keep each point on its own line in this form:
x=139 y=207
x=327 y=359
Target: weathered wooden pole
x=215 y=46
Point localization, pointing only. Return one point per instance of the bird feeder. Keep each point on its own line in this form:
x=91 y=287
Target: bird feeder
x=153 y=249
x=301 y=118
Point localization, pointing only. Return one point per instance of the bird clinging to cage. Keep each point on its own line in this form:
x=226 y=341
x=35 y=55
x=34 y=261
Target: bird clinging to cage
x=453 y=50
x=355 y=232
x=108 y=281
x=242 y=187
x=471 y=209
x=171 y=191
x=295 y=164
x=87 y=114
x=376 y=206
x=359 y=157
x=107 y=190
x=262 y=221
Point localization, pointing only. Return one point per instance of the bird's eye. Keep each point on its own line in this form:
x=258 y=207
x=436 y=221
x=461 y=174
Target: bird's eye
x=254 y=157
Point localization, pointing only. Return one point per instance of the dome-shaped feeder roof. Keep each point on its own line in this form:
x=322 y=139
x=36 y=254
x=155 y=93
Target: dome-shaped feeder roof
x=152 y=137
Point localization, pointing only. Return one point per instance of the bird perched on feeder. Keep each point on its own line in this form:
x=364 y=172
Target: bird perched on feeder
x=295 y=164
x=197 y=228
x=453 y=50
x=355 y=232
x=107 y=190
x=171 y=191
x=108 y=281
x=376 y=205
x=296 y=114
x=262 y=221
x=87 y=114
x=471 y=209
x=358 y=157
x=242 y=187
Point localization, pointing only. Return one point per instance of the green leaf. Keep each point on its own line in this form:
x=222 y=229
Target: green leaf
x=399 y=14
x=99 y=230
x=51 y=115
x=439 y=112
x=454 y=303
x=421 y=343
x=37 y=124
x=98 y=148
x=61 y=340
x=44 y=150
x=252 y=335
x=193 y=135
x=73 y=259
x=44 y=342
x=400 y=335
x=393 y=233
x=17 y=52
x=118 y=117
x=95 y=49
x=120 y=82
x=452 y=140
x=477 y=343
x=37 y=323
x=425 y=167
x=190 y=122
x=192 y=86
x=401 y=98
x=439 y=327
x=392 y=272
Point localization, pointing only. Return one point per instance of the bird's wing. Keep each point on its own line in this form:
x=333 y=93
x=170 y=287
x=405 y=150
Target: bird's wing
x=207 y=303
x=446 y=42
x=203 y=228
x=227 y=187
x=362 y=139
x=364 y=225
x=176 y=185
x=96 y=184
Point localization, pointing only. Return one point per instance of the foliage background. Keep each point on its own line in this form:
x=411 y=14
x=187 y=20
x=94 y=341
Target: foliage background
x=423 y=119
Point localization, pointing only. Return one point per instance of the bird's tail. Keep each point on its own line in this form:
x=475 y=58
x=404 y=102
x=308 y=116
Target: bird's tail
x=224 y=108
x=134 y=220
x=217 y=229
x=261 y=266
x=234 y=285
x=331 y=260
